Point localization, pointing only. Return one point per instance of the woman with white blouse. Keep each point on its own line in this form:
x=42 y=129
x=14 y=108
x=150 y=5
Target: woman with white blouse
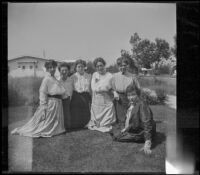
x=81 y=98
x=66 y=81
x=102 y=108
x=48 y=119
x=121 y=81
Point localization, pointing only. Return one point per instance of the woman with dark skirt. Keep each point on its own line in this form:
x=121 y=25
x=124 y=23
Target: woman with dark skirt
x=121 y=81
x=66 y=81
x=81 y=98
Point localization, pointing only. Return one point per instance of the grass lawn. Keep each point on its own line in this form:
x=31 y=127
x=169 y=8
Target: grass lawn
x=92 y=151
x=166 y=82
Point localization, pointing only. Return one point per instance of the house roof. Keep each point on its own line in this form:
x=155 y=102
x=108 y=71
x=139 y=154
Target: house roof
x=37 y=58
x=145 y=69
x=18 y=58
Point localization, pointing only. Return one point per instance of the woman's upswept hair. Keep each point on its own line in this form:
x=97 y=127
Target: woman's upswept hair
x=125 y=60
x=121 y=60
x=64 y=65
x=50 y=63
x=99 y=59
x=80 y=61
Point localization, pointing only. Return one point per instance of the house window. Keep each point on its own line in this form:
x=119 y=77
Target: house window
x=31 y=67
x=23 y=67
x=19 y=66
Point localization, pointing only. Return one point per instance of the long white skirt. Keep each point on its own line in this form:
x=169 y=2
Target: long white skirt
x=102 y=113
x=44 y=124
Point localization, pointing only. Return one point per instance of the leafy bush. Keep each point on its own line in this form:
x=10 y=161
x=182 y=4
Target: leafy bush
x=161 y=95
x=149 y=96
x=154 y=97
x=164 y=69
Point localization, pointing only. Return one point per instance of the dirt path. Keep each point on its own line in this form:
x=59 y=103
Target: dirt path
x=19 y=148
x=171 y=102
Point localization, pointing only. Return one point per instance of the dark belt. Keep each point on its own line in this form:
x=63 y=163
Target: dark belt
x=55 y=96
x=122 y=93
x=85 y=92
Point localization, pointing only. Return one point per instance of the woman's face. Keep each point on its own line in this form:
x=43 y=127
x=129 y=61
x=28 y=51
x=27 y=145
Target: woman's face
x=80 y=68
x=51 y=70
x=123 y=67
x=131 y=96
x=100 y=67
x=64 y=72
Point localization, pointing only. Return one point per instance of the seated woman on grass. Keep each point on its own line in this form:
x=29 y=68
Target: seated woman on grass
x=139 y=124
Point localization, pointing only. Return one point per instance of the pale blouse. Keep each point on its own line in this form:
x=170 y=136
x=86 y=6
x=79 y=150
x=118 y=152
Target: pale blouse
x=68 y=85
x=122 y=81
x=50 y=85
x=128 y=115
x=101 y=82
x=81 y=83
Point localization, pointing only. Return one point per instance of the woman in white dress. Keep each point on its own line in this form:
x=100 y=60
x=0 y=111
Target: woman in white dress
x=48 y=119
x=102 y=108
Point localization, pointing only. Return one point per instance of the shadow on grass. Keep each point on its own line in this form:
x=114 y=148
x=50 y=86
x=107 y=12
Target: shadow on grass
x=159 y=121
x=159 y=139
x=75 y=129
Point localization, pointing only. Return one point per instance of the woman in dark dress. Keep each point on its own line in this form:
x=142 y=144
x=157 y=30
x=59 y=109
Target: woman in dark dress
x=81 y=98
x=139 y=125
x=66 y=81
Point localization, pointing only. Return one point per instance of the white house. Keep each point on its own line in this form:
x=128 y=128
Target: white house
x=146 y=71
x=29 y=66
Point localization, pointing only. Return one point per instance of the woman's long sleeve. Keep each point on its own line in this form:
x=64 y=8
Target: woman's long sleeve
x=137 y=84
x=93 y=84
x=90 y=88
x=43 y=92
x=146 y=118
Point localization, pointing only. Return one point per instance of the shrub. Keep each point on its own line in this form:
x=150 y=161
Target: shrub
x=149 y=96
x=161 y=95
x=154 y=97
x=164 y=69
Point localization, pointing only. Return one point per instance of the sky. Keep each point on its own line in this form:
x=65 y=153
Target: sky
x=85 y=30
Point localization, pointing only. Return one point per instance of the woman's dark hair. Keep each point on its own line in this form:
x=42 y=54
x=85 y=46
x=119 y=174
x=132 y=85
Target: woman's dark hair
x=132 y=88
x=125 y=60
x=64 y=65
x=99 y=59
x=50 y=63
x=119 y=61
x=80 y=62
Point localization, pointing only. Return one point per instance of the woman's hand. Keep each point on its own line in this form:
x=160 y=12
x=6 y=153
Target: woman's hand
x=44 y=108
x=147 y=147
x=116 y=95
x=123 y=130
